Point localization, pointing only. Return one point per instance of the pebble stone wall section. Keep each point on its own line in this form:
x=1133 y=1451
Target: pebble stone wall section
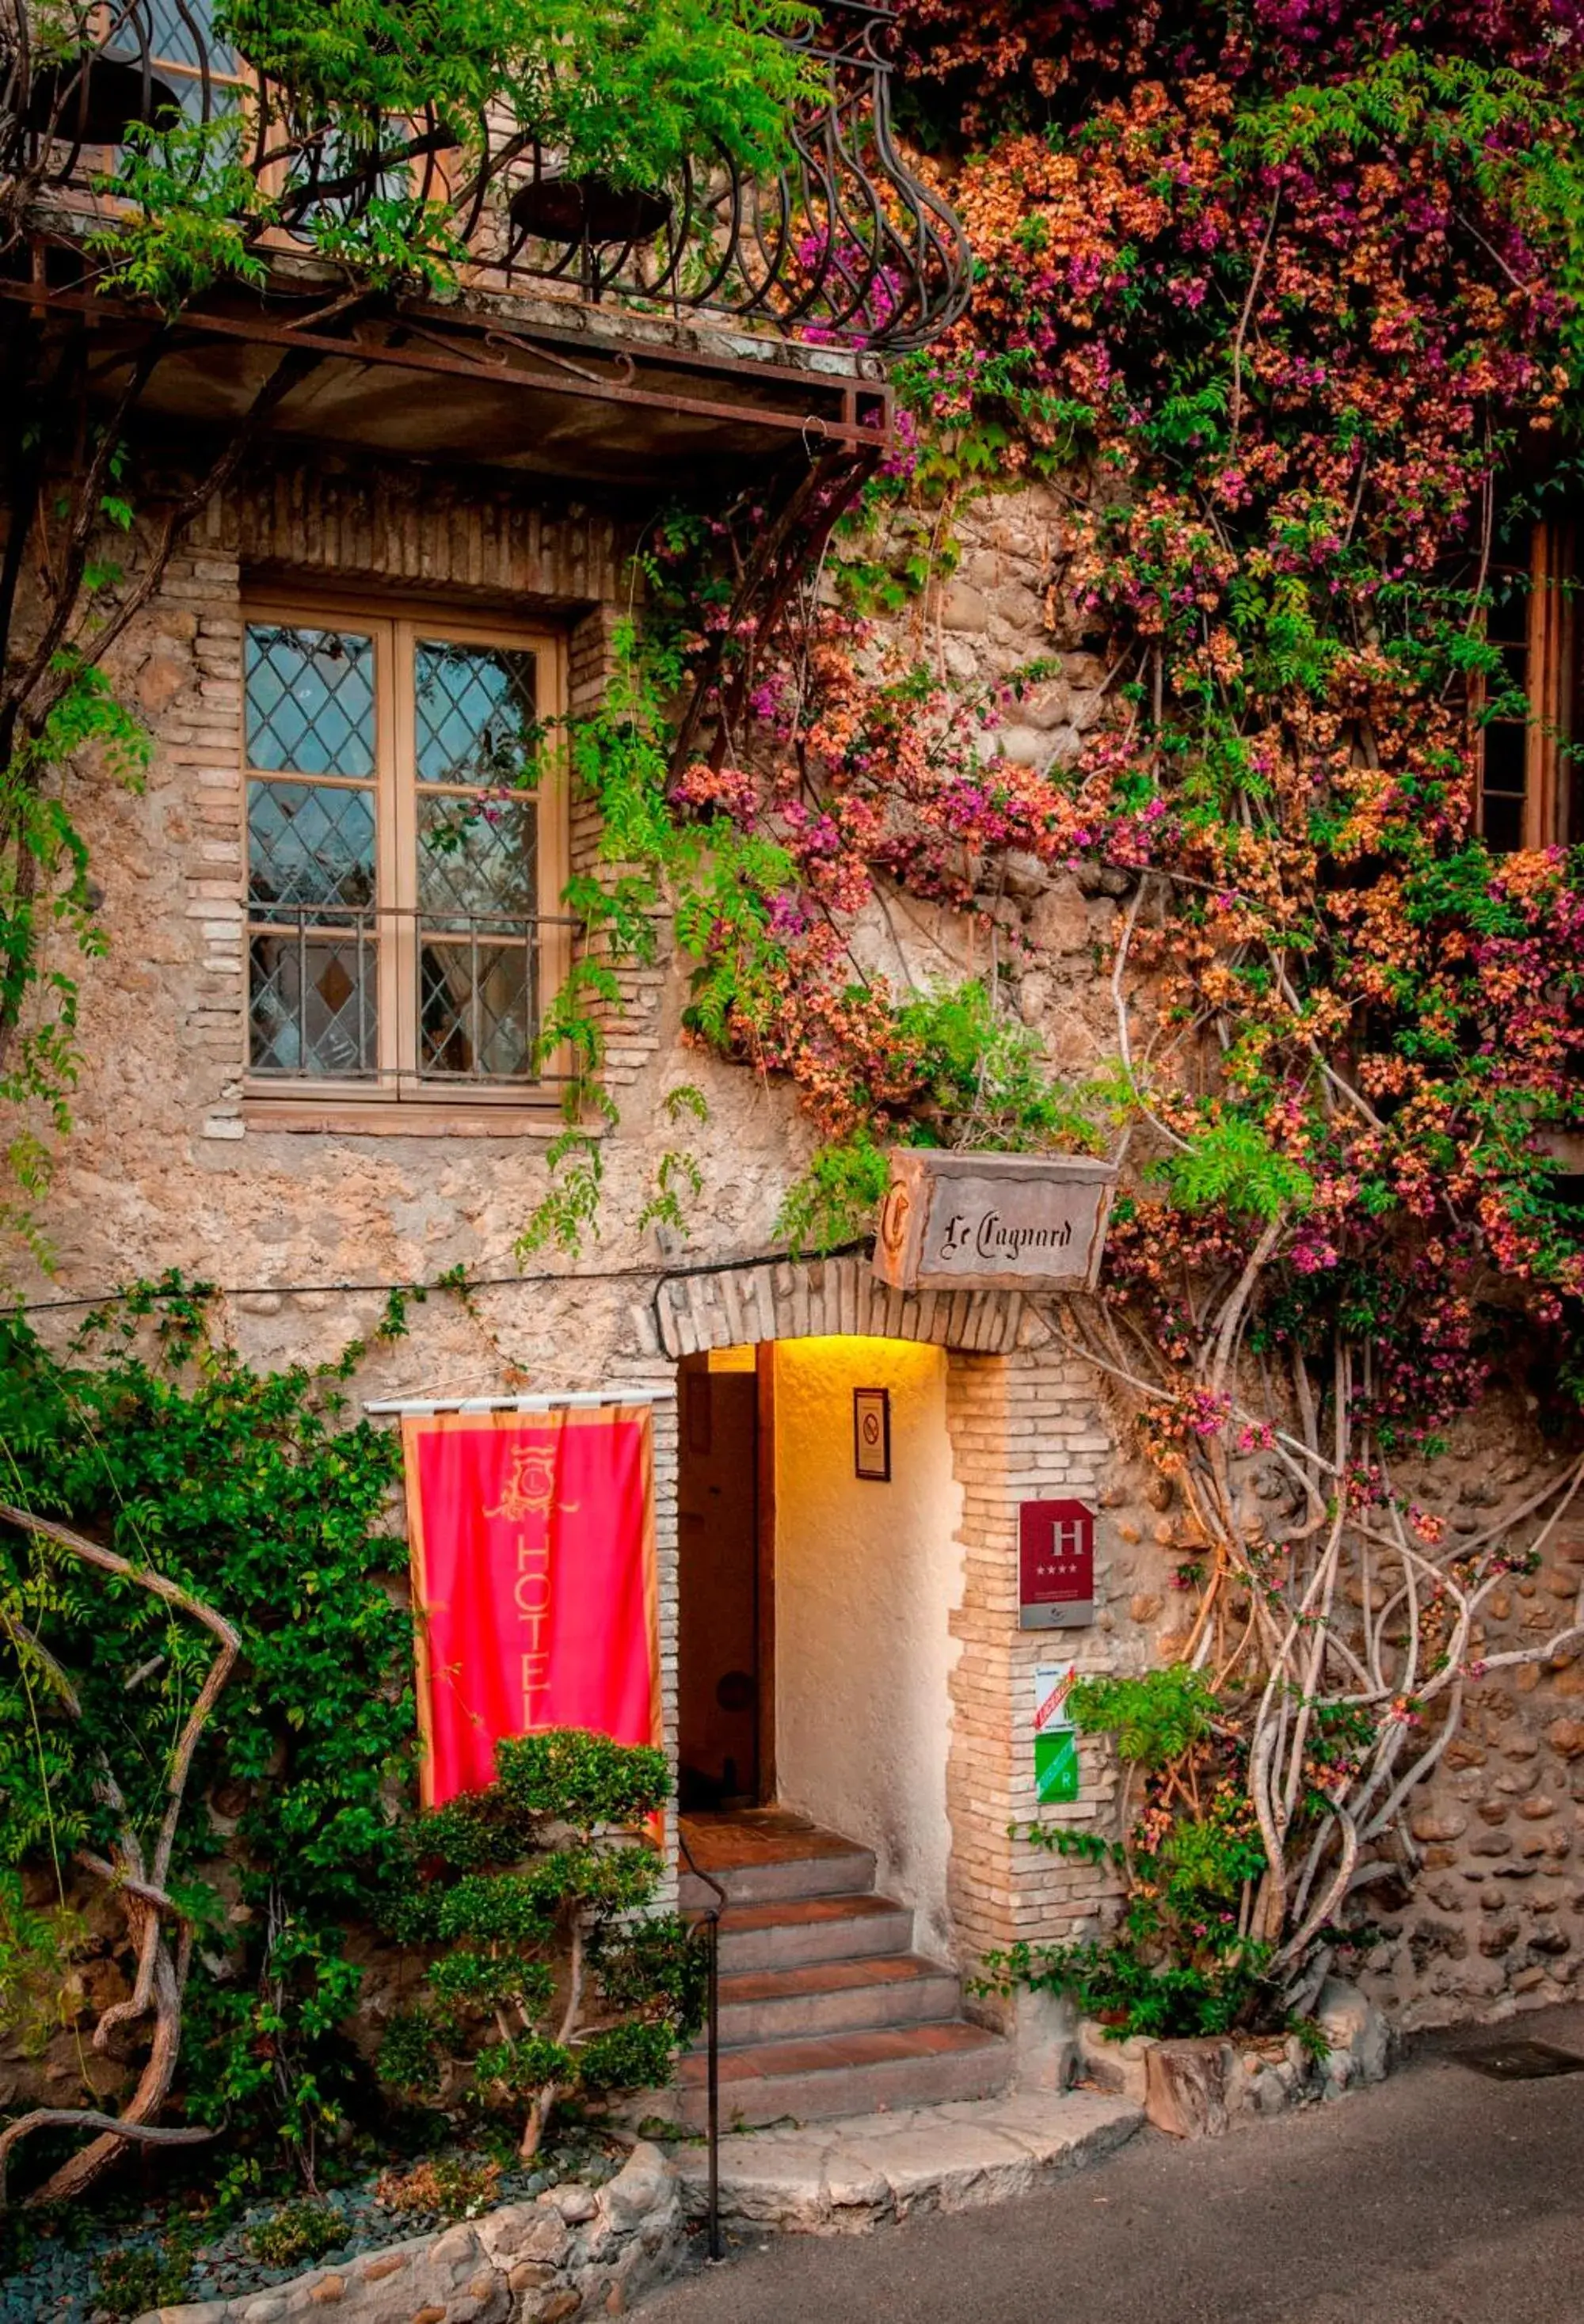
x=1495 y=1920
x=572 y=2252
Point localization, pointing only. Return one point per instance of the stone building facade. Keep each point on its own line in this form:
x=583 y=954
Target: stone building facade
x=305 y=1080
x=304 y=1213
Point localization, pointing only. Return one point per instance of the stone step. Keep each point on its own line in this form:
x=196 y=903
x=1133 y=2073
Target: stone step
x=840 y=1996
x=827 y=2076
x=782 y=1878
x=807 y=1929
x=835 y=2177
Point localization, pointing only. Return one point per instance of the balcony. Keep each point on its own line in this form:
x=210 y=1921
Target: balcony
x=702 y=322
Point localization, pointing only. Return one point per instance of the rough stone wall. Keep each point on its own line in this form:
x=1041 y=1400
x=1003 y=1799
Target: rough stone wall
x=1480 y=1910
x=1493 y=1919
x=572 y=2252
x=1002 y=611
x=168 y=1165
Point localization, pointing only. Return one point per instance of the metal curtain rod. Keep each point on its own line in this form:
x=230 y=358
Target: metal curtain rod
x=551 y=1400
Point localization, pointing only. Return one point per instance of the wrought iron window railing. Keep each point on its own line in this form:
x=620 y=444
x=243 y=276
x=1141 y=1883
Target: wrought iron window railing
x=846 y=245
x=319 y=974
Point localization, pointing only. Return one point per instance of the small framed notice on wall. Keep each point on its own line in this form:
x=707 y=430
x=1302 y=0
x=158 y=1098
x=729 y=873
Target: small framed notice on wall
x=872 y=1434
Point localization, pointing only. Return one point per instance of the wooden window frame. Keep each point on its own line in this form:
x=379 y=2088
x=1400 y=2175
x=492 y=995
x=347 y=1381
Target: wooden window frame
x=397 y=1100
x=1551 y=652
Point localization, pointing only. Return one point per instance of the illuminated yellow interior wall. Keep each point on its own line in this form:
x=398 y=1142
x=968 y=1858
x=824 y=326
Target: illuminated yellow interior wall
x=866 y=1575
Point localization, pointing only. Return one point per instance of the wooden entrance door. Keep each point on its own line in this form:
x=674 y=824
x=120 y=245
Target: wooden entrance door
x=726 y=1744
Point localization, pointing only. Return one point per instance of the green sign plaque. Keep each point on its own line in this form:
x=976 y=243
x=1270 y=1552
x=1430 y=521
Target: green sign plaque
x=1056 y=1768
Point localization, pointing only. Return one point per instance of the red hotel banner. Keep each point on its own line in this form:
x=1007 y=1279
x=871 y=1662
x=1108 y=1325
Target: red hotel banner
x=533 y=1542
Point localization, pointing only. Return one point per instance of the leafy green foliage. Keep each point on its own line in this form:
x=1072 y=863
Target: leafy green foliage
x=568 y=1209
x=973 y=1079
x=46 y=894
x=629 y=87
x=554 y=1977
x=137 y=2277
x=256 y=1492
x=580 y=1779
x=187 y=211
x=296 y=2235
x=982 y=1077
x=1114 y=1981
x=634 y=2055
x=1234 y=1164
x=449 y=2184
x=835 y=1199
x=678 y=1176
x=1153 y=1719
x=37 y=1950
x=1181 y=1961
x=251 y=1490
x=267 y=2053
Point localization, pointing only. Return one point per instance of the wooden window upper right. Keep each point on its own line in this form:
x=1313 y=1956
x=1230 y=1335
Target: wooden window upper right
x=1530 y=784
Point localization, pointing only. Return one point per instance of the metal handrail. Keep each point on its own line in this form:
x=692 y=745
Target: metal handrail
x=845 y=246
x=711 y=1915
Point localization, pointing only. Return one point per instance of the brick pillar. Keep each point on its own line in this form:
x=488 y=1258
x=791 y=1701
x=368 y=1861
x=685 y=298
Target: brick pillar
x=631 y=1024
x=666 y=1456
x=1024 y=1427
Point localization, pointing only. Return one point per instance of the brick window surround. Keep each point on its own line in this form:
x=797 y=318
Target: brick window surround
x=405 y=923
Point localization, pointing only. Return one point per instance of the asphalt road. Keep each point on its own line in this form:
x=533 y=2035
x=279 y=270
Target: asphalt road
x=1443 y=2197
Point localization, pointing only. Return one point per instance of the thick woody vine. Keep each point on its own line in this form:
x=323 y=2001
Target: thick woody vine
x=1284 y=308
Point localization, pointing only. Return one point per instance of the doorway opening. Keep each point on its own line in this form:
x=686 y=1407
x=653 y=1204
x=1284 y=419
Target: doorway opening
x=819 y=1567
x=726 y=1610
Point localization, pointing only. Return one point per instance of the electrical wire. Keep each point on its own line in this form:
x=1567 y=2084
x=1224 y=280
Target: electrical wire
x=644 y=1270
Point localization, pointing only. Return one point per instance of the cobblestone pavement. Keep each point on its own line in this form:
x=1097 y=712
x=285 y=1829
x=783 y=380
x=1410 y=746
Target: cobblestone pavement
x=1443 y=2197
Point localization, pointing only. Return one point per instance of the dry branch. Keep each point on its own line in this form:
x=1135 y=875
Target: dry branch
x=142 y=1888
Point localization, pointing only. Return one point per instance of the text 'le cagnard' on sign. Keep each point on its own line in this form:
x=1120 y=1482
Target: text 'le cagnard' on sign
x=959 y=1222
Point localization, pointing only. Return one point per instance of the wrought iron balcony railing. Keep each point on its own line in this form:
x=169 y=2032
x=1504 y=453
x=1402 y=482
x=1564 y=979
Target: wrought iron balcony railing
x=845 y=246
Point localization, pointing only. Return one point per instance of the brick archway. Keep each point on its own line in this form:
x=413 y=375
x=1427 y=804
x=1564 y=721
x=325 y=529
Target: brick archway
x=802 y=1299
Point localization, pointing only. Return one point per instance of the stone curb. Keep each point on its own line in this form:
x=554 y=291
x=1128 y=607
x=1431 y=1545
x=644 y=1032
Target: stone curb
x=842 y=2178
x=569 y=2251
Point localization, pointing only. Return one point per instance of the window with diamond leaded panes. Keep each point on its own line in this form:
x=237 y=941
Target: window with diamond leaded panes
x=404 y=854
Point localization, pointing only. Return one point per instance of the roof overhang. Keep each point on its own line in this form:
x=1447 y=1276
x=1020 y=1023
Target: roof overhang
x=586 y=392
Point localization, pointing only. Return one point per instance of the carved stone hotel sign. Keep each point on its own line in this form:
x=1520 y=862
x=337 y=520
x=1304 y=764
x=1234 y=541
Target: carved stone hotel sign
x=954 y=1221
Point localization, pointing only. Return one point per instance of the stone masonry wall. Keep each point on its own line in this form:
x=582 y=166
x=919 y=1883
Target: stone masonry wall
x=1493 y=1919
x=168 y=1165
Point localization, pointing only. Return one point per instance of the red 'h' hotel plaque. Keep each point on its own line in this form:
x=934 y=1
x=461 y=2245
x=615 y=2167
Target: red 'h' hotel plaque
x=1055 y=1565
